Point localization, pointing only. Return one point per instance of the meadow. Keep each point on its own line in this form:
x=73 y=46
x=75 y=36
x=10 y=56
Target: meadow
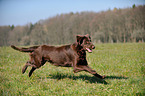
x=123 y=64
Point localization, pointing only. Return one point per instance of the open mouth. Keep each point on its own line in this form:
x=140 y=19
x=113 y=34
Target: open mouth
x=89 y=50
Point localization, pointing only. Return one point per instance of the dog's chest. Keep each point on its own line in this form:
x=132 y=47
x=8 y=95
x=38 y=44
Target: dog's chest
x=81 y=60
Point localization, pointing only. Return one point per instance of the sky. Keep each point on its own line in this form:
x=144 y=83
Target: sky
x=22 y=12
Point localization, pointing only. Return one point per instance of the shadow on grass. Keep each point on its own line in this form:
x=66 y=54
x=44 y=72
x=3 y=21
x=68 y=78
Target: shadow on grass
x=116 y=77
x=86 y=78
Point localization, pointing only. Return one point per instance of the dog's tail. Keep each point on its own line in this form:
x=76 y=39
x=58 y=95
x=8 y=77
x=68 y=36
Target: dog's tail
x=30 y=49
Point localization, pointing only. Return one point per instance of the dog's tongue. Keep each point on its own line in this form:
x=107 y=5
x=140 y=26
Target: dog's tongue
x=89 y=50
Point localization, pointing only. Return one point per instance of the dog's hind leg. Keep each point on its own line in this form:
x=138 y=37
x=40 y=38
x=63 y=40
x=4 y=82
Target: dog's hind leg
x=34 y=68
x=25 y=67
x=37 y=61
x=31 y=71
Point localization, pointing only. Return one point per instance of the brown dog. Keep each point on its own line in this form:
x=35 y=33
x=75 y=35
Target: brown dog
x=73 y=55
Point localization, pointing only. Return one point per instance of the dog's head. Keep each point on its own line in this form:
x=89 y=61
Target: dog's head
x=85 y=42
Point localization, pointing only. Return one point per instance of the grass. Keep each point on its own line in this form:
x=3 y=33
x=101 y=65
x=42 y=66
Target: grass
x=123 y=64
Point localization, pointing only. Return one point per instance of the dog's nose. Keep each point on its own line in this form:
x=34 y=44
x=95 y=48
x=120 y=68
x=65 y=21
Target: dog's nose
x=93 y=47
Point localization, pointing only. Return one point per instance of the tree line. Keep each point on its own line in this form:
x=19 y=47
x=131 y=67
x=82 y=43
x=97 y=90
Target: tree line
x=111 y=26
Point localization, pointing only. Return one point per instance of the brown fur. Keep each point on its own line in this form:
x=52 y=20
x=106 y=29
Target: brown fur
x=73 y=55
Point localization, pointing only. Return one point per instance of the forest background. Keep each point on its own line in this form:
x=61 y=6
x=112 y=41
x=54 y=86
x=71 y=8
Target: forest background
x=111 y=26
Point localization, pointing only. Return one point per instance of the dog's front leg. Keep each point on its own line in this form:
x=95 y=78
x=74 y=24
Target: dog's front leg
x=88 y=69
x=78 y=70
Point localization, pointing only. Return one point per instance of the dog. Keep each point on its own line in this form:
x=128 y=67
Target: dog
x=73 y=55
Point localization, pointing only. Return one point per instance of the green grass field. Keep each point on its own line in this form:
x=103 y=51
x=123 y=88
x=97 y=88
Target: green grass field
x=123 y=64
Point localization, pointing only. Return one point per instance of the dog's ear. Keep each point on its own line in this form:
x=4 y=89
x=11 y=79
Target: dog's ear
x=88 y=36
x=80 y=39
